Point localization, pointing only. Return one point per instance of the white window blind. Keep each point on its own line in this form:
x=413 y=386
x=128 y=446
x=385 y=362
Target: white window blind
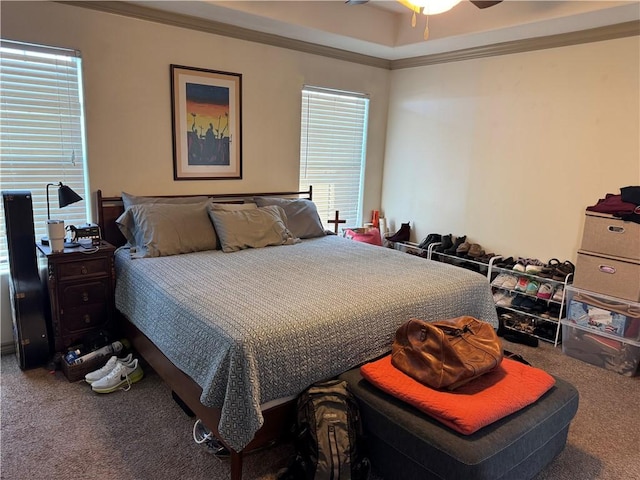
x=332 y=151
x=41 y=131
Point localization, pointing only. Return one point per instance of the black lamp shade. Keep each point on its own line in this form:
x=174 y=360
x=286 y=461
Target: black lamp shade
x=66 y=196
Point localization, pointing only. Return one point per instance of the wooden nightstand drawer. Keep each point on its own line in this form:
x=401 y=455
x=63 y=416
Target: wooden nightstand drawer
x=93 y=266
x=80 y=286
x=79 y=319
x=81 y=294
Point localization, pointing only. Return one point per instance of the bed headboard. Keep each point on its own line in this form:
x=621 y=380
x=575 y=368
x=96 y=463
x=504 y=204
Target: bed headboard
x=110 y=208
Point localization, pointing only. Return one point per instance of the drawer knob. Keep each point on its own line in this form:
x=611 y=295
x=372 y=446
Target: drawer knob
x=87 y=318
x=83 y=270
x=615 y=229
x=85 y=296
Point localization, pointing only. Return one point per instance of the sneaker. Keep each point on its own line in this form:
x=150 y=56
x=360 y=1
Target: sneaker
x=545 y=291
x=534 y=266
x=510 y=282
x=522 y=284
x=505 y=301
x=557 y=295
x=520 y=265
x=532 y=287
x=104 y=371
x=500 y=279
x=122 y=376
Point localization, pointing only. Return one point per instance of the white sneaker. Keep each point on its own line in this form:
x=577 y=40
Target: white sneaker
x=122 y=376
x=104 y=371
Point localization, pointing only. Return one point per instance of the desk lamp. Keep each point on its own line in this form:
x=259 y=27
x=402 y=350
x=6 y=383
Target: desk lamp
x=66 y=196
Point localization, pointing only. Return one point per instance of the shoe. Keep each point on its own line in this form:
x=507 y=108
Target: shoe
x=520 y=265
x=549 y=269
x=532 y=287
x=557 y=295
x=429 y=239
x=500 y=279
x=533 y=266
x=454 y=247
x=122 y=376
x=401 y=235
x=563 y=271
x=510 y=282
x=505 y=262
x=521 y=286
x=446 y=243
x=475 y=251
x=545 y=291
x=104 y=371
x=521 y=337
x=505 y=301
x=463 y=249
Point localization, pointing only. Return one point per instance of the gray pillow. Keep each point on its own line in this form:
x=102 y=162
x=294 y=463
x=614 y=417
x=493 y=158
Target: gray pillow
x=302 y=215
x=156 y=230
x=129 y=200
x=253 y=228
x=228 y=207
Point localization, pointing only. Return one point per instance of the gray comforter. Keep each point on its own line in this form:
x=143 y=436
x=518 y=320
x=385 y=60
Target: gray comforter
x=261 y=324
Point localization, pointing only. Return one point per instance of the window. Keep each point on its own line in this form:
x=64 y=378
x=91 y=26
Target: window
x=41 y=131
x=332 y=151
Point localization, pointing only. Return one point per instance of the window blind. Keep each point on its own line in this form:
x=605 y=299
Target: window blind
x=332 y=151
x=41 y=131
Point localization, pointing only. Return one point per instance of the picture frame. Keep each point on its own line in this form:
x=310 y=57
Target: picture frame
x=206 y=109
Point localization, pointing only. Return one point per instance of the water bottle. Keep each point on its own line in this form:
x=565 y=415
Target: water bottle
x=72 y=356
x=113 y=348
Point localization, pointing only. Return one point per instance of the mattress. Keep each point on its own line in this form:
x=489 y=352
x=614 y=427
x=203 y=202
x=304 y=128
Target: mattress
x=257 y=325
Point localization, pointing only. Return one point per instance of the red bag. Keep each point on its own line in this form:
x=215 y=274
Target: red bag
x=371 y=235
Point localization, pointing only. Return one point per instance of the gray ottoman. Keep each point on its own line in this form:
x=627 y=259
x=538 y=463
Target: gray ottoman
x=406 y=444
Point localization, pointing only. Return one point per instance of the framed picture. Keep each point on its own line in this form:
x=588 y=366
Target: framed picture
x=206 y=106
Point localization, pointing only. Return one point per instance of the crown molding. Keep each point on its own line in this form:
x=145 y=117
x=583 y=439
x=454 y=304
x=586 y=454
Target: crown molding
x=608 y=32
x=219 y=28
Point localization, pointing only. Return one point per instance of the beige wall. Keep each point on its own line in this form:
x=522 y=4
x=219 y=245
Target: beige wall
x=510 y=150
x=128 y=110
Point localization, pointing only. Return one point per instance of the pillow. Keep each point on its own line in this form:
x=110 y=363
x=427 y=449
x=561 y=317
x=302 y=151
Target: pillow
x=229 y=207
x=302 y=215
x=129 y=200
x=156 y=230
x=253 y=228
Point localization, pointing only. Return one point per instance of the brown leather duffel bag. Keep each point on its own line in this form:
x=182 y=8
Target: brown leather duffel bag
x=446 y=354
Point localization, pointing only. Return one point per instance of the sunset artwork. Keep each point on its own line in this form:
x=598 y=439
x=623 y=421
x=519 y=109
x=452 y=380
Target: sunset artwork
x=207 y=124
x=206 y=110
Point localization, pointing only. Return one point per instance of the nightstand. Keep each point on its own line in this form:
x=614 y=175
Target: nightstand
x=80 y=283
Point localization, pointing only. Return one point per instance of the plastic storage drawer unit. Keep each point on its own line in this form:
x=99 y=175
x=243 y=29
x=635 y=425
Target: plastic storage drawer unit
x=617 y=354
x=603 y=313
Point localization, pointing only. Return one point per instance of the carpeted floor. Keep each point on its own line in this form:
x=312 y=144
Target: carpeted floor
x=53 y=429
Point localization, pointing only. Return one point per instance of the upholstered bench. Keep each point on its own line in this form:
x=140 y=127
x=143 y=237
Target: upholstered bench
x=406 y=444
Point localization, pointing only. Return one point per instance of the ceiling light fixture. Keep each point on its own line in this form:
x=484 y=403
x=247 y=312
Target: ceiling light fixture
x=428 y=7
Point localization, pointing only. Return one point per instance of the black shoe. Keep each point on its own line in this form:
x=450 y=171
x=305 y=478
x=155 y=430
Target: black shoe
x=521 y=337
x=401 y=235
x=431 y=238
x=453 y=248
x=445 y=243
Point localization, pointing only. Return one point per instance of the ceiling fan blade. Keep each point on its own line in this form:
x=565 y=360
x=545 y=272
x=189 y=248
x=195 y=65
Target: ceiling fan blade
x=485 y=4
x=356 y=2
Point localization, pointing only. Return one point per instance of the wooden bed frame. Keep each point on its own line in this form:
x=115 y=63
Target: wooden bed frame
x=277 y=420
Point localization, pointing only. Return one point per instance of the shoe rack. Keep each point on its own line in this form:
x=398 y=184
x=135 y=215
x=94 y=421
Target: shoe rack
x=518 y=310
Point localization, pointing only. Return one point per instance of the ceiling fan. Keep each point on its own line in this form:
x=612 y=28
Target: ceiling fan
x=431 y=7
x=477 y=3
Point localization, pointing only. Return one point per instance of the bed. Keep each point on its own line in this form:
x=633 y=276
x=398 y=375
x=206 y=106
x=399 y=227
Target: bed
x=238 y=335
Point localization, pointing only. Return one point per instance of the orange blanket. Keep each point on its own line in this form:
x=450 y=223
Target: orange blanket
x=470 y=407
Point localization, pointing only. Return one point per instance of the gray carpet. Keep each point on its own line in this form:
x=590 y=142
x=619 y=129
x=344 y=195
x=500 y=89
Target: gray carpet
x=53 y=429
